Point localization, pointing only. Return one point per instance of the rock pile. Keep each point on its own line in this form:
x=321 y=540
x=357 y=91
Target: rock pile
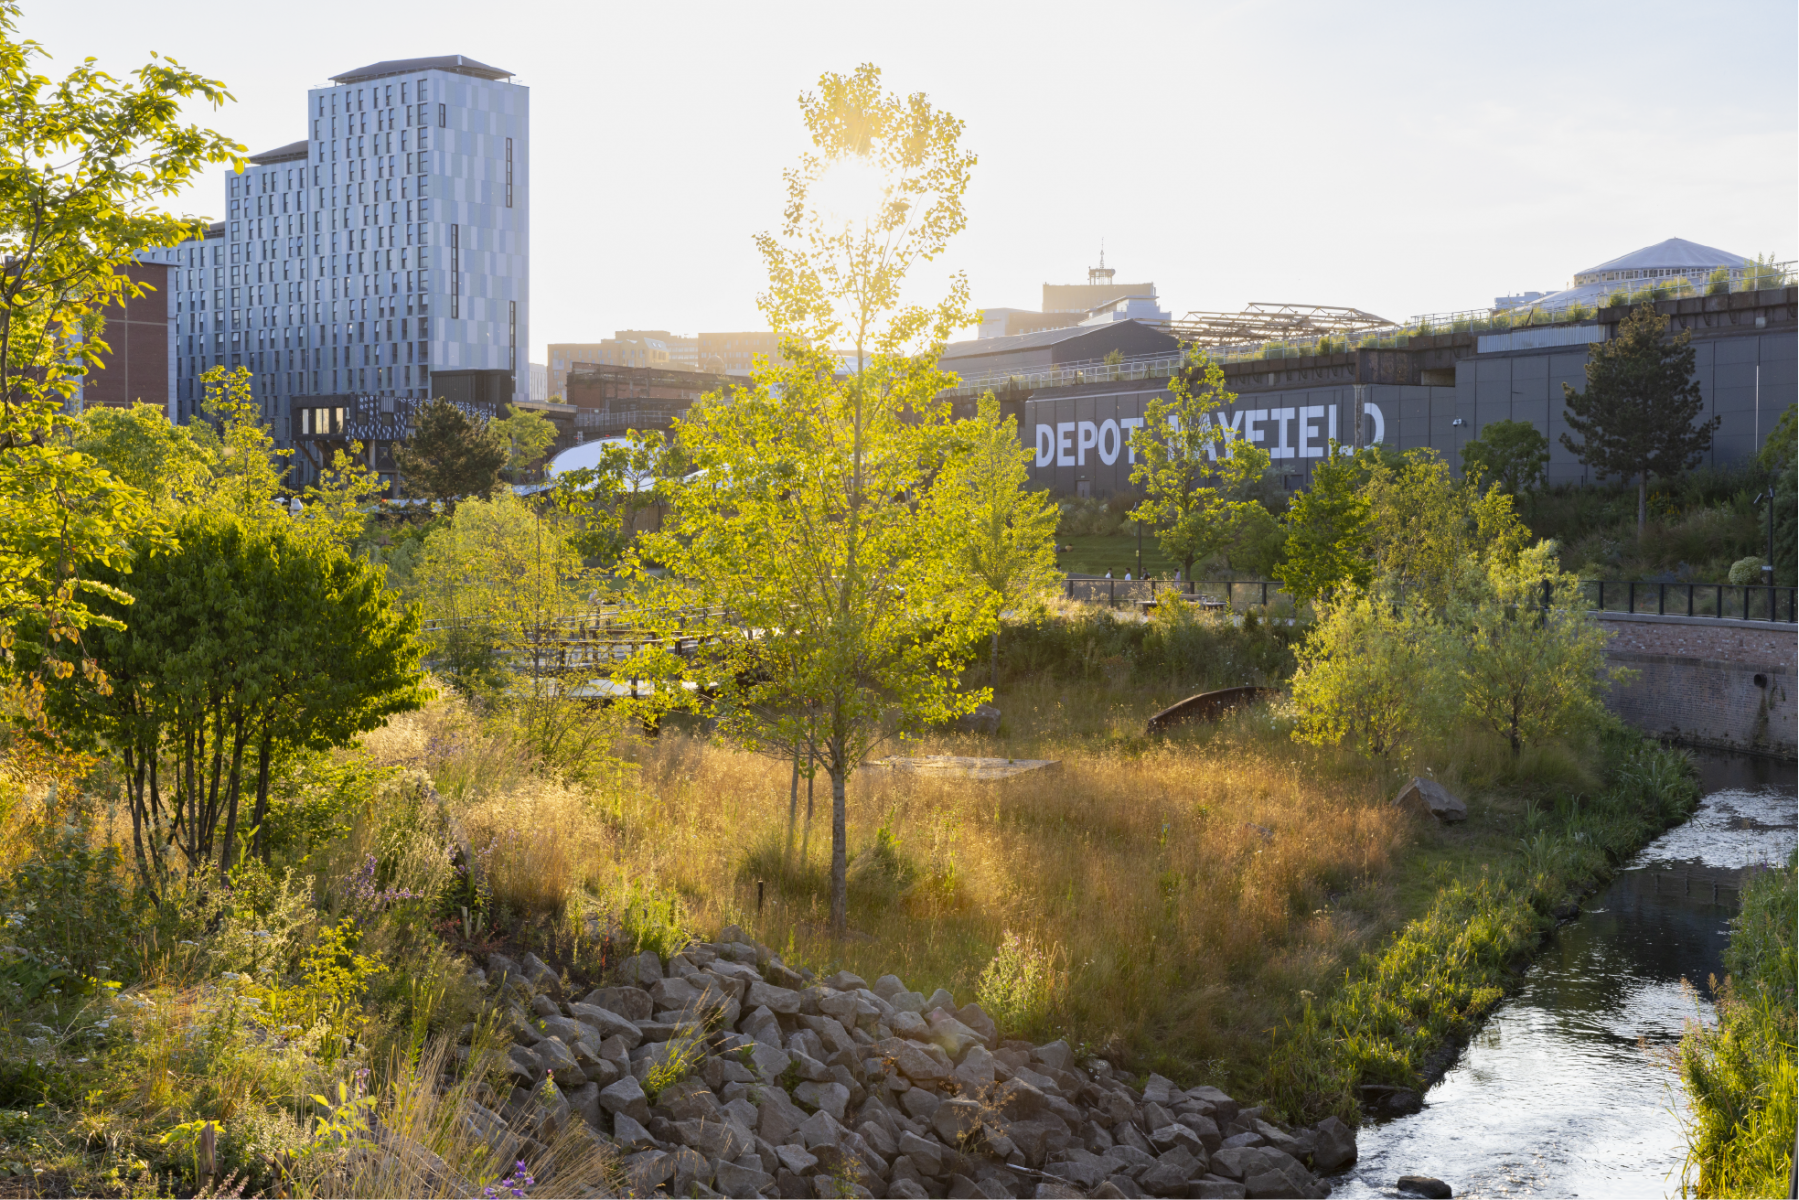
x=724 y=1072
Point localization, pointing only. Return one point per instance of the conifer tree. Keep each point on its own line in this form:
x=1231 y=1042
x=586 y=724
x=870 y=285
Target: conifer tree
x=1639 y=413
x=449 y=455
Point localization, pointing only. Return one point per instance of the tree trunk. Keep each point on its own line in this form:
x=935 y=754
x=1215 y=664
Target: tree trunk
x=1642 y=502
x=233 y=785
x=806 y=836
x=840 y=912
x=261 y=844
x=793 y=808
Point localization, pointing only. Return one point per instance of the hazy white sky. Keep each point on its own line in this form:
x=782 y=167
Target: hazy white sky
x=1403 y=158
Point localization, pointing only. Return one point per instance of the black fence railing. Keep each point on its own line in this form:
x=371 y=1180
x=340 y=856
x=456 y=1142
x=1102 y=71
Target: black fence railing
x=1742 y=602
x=1206 y=593
x=1738 y=601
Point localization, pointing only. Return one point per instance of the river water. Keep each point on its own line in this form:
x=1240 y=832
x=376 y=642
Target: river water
x=1566 y=1090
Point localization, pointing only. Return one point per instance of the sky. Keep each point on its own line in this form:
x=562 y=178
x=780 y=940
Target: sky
x=1401 y=158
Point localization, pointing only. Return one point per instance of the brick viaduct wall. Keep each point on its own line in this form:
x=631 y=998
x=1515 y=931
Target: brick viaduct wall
x=1719 y=683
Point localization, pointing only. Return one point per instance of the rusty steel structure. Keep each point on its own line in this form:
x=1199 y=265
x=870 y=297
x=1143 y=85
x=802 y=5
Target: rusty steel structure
x=1261 y=321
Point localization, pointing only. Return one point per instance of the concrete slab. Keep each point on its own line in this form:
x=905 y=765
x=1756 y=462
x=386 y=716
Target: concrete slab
x=958 y=766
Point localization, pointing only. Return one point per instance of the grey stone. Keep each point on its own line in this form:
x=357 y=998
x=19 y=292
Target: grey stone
x=956 y=1120
x=1204 y=1128
x=1127 y=1160
x=984 y=718
x=1333 y=1147
x=631 y=1003
x=641 y=969
x=690 y=1167
x=1164 y=1179
x=1425 y=1185
x=920 y=1105
x=1169 y=1136
x=1056 y=1054
x=1427 y=797
x=1278 y=1185
x=918 y=1062
x=887 y=987
x=673 y=993
x=543 y=1006
x=1159 y=1090
x=716 y=1139
x=1049 y=1190
x=629 y=1132
x=1220 y=1107
x=1078 y=1166
x=1213 y=1187
x=568 y=1030
x=975 y=1070
x=910 y=1025
x=797 y=1159
x=769 y=1061
x=552 y=1055
x=1109 y=1190
x=954 y=1037
x=940 y=999
x=906 y=1188
x=912 y=1002
x=831 y=1098
x=775 y=999
x=734 y=1180
x=778 y=1117
x=975 y=1018
x=499 y=966
x=926 y=1155
x=626 y=1096
x=647 y=1171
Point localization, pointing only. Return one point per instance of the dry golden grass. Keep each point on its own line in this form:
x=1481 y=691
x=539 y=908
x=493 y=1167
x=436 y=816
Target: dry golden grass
x=1182 y=892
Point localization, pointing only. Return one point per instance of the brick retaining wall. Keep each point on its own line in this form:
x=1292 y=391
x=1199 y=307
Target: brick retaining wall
x=1709 y=682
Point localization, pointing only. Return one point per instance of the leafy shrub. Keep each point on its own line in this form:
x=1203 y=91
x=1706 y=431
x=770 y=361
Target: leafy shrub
x=1740 y=1076
x=1747 y=570
x=1021 y=988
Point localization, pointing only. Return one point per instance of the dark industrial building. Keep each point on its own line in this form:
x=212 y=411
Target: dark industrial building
x=137 y=365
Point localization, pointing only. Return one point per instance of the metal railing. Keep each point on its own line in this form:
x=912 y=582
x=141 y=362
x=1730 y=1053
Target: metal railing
x=1142 y=366
x=1733 y=601
x=1227 y=594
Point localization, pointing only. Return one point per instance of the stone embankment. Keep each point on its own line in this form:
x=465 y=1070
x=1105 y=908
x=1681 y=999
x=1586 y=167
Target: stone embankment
x=724 y=1072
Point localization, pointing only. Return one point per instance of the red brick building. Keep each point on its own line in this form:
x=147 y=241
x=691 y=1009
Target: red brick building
x=136 y=365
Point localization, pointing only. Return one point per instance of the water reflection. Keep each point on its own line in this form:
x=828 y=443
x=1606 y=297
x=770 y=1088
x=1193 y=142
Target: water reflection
x=1565 y=1091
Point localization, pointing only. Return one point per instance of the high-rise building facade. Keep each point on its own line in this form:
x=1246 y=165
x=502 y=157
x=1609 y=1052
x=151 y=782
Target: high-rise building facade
x=382 y=261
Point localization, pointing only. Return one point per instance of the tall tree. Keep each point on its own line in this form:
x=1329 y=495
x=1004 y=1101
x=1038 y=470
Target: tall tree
x=1639 y=414
x=1004 y=533
x=449 y=456
x=526 y=435
x=805 y=518
x=1511 y=453
x=1327 y=532
x=88 y=160
x=1193 y=473
x=247 y=638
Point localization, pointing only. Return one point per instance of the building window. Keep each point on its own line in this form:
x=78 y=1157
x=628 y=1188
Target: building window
x=455 y=270
x=508 y=172
x=512 y=335
x=442 y=116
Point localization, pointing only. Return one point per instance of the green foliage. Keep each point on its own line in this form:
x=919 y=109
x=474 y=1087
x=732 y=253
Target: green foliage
x=69 y=914
x=1439 y=975
x=251 y=637
x=494 y=569
x=1004 y=532
x=326 y=1001
x=1020 y=988
x=603 y=500
x=1179 y=647
x=1525 y=657
x=1367 y=673
x=1425 y=526
x=527 y=435
x=1739 y=1075
x=1639 y=414
x=1258 y=543
x=1194 y=474
x=142 y=447
x=448 y=456
x=1327 y=529
x=1511 y=453
x=803 y=518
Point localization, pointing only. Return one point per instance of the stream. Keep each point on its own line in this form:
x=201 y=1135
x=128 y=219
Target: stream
x=1566 y=1090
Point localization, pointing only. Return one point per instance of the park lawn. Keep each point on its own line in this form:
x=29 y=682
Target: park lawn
x=1099 y=553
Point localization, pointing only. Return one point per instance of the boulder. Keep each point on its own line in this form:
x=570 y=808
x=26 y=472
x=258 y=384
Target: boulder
x=1425 y=1185
x=641 y=969
x=775 y=999
x=830 y=1098
x=631 y=1003
x=1057 y=1054
x=626 y=1096
x=735 y=1180
x=1333 y=1145
x=1213 y=1187
x=919 y=1062
x=956 y=1120
x=1427 y=797
x=984 y=719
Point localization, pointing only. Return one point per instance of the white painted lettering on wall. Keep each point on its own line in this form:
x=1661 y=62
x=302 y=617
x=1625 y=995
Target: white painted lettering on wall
x=1128 y=424
x=1065 y=443
x=1307 y=431
x=1046 y=444
x=1283 y=448
x=1109 y=441
x=1086 y=436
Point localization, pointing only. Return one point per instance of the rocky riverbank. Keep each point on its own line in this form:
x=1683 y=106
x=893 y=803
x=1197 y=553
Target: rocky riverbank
x=724 y=1072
